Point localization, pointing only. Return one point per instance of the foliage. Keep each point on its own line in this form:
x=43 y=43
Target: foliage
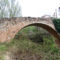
x=57 y=24
x=9 y=8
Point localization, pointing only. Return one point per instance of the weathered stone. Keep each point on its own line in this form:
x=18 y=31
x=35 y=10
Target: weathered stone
x=10 y=26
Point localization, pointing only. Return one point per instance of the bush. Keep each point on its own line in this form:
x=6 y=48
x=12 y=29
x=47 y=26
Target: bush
x=57 y=24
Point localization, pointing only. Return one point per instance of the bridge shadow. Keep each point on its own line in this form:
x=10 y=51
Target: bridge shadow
x=40 y=38
x=36 y=38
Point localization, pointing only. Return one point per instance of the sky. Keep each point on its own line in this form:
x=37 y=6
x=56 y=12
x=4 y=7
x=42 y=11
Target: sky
x=38 y=8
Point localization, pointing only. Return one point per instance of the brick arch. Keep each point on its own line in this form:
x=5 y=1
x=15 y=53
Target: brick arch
x=9 y=27
x=44 y=26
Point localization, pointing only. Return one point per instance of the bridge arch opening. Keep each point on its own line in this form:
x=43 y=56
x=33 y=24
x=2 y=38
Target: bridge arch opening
x=44 y=26
x=34 y=33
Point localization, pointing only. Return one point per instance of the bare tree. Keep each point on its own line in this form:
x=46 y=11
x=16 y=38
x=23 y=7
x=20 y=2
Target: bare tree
x=9 y=8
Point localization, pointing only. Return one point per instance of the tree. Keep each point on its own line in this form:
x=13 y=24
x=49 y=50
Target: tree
x=57 y=24
x=9 y=8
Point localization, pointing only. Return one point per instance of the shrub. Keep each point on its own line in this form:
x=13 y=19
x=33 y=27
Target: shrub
x=57 y=24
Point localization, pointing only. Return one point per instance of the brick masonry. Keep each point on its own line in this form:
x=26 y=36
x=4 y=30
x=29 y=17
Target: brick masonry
x=9 y=27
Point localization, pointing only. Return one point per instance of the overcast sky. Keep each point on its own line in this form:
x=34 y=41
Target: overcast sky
x=37 y=8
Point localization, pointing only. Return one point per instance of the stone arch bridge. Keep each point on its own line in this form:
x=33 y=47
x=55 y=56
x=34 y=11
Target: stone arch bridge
x=10 y=26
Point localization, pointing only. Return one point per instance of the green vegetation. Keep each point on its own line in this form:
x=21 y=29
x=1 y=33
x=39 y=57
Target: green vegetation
x=25 y=46
x=57 y=24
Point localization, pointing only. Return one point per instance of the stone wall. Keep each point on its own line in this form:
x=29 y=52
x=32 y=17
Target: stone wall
x=9 y=27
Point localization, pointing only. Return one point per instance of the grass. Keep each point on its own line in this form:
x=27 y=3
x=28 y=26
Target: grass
x=22 y=46
x=47 y=51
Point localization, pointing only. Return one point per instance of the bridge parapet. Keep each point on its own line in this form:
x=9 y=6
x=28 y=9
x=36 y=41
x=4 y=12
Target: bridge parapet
x=20 y=19
x=4 y=22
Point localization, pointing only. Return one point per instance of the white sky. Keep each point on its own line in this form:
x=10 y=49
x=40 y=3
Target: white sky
x=37 y=8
